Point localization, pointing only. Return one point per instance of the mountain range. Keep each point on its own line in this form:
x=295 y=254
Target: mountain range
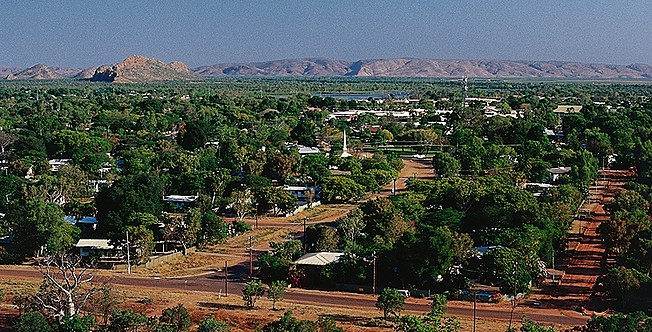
x=136 y=69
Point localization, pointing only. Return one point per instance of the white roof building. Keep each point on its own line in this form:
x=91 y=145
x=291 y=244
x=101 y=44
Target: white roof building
x=319 y=258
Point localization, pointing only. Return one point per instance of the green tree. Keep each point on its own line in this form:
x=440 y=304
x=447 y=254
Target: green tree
x=33 y=322
x=251 y=292
x=177 y=318
x=288 y=323
x=213 y=228
x=276 y=291
x=531 y=326
x=445 y=164
x=339 y=188
x=77 y=323
x=390 y=302
x=241 y=202
x=126 y=320
x=38 y=225
x=210 y=324
x=275 y=265
x=635 y=322
x=132 y=193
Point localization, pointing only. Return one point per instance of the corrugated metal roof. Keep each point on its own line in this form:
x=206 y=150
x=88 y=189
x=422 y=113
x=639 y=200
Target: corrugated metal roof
x=319 y=258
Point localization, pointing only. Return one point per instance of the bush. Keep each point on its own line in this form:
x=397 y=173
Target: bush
x=176 y=318
x=32 y=322
x=210 y=324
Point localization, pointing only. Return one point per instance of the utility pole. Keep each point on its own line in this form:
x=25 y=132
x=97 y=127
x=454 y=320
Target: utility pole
x=256 y=215
x=373 y=286
x=511 y=314
x=128 y=258
x=474 y=301
x=305 y=247
x=394 y=191
x=226 y=279
x=251 y=257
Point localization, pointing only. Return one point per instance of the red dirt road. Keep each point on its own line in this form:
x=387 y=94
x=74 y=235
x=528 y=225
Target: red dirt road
x=586 y=250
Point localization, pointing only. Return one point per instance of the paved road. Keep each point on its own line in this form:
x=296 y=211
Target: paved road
x=214 y=283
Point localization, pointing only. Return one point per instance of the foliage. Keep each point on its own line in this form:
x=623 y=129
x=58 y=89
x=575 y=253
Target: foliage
x=36 y=225
x=288 y=323
x=635 y=322
x=251 y=292
x=276 y=291
x=531 y=326
x=33 y=322
x=76 y=324
x=210 y=324
x=126 y=320
x=390 y=302
x=64 y=289
x=339 y=188
x=177 y=318
x=275 y=264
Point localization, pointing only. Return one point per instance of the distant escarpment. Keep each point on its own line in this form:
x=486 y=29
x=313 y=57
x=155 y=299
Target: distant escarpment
x=294 y=67
x=416 y=67
x=139 y=69
x=41 y=72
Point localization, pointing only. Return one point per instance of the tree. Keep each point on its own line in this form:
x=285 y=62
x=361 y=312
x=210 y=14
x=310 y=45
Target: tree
x=77 y=323
x=513 y=270
x=622 y=283
x=275 y=265
x=339 y=188
x=276 y=291
x=434 y=321
x=321 y=238
x=251 y=292
x=33 y=322
x=241 y=203
x=62 y=292
x=6 y=139
x=40 y=226
x=213 y=228
x=141 y=243
x=104 y=303
x=132 y=193
x=183 y=228
x=210 y=324
x=531 y=326
x=126 y=320
x=445 y=164
x=391 y=302
x=177 y=318
x=634 y=322
x=288 y=323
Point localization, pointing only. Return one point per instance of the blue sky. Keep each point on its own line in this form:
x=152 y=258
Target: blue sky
x=84 y=33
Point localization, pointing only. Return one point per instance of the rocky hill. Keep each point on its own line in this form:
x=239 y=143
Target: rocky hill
x=137 y=69
x=38 y=72
x=296 y=67
x=411 y=67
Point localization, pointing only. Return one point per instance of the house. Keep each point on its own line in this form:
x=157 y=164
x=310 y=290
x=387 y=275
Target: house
x=556 y=172
x=319 y=258
x=311 y=264
x=300 y=192
x=305 y=150
x=87 y=224
x=567 y=109
x=56 y=164
x=180 y=200
x=100 y=248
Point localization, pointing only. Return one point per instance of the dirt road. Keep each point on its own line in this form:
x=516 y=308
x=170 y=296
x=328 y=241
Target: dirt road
x=214 y=283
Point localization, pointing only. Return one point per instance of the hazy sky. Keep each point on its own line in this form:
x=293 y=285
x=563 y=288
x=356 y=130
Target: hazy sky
x=84 y=33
